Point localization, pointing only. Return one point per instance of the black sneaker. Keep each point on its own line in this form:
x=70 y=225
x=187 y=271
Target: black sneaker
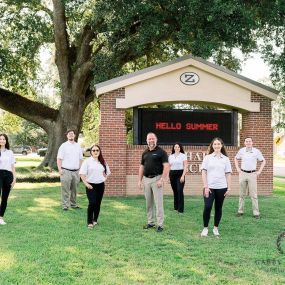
x=257 y=217
x=159 y=229
x=65 y=209
x=75 y=207
x=239 y=214
x=148 y=226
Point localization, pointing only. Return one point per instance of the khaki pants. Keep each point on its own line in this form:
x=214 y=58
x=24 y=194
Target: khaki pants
x=248 y=181
x=154 y=196
x=69 y=182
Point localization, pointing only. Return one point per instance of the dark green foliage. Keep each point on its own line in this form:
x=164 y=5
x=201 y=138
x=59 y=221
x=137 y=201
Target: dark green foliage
x=96 y=40
x=31 y=135
x=163 y=30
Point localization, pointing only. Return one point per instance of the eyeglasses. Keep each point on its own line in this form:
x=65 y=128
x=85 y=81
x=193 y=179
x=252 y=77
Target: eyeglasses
x=95 y=150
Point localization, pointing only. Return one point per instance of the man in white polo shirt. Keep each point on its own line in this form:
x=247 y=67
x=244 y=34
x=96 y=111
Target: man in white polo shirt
x=69 y=159
x=248 y=175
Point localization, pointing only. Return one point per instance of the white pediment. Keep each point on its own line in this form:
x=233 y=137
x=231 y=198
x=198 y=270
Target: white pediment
x=210 y=85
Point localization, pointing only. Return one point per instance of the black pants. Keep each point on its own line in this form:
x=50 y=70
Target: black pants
x=177 y=188
x=218 y=195
x=94 y=196
x=6 y=179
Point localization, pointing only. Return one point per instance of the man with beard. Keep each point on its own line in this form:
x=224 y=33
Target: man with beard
x=248 y=174
x=153 y=172
x=69 y=159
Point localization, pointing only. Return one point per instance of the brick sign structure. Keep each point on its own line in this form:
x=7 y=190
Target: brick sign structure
x=170 y=83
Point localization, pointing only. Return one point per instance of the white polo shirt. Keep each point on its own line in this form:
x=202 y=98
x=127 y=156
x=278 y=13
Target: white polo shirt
x=249 y=158
x=216 y=167
x=93 y=170
x=176 y=162
x=7 y=160
x=70 y=154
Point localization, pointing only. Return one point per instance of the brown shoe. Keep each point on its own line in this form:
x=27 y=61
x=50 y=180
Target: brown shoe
x=239 y=214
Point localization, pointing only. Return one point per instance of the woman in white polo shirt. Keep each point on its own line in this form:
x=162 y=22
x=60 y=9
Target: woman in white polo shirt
x=93 y=172
x=178 y=169
x=216 y=176
x=7 y=174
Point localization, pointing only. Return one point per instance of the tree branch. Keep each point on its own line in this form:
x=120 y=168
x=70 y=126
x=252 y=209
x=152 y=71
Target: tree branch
x=61 y=44
x=81 y=78
x=27 y=109
x=89 y=96
x=85 y=47
x=100 y=46
x=83 y=71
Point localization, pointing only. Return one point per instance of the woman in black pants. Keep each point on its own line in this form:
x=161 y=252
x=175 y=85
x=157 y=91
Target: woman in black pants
x=178 y=169
x=94 y=172
x=216 y=176
x=7 y=174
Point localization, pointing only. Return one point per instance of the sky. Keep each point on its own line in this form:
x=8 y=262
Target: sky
x=255 y=68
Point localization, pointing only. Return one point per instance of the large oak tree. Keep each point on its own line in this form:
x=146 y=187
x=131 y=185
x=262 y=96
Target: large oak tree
x=95 y=40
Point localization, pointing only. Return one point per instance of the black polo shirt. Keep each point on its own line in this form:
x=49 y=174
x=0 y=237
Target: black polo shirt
x=153 y=160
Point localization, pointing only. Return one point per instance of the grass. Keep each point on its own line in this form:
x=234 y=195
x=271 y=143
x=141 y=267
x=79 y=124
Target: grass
x=41 y=244
x=26 y=168
x=279 y=186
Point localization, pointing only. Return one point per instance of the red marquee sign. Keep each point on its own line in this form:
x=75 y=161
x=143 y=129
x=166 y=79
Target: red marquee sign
x=190 y=127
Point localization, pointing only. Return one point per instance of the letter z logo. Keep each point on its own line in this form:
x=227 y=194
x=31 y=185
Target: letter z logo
x=189 y=78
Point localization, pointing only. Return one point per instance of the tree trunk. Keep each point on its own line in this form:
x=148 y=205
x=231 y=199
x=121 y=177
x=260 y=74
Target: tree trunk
x=55 y=138
x=70 y=117
x=75 y=74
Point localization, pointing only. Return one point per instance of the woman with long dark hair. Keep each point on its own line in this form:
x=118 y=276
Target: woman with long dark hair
x=216 y=176
x=93 y=172
x=178 y=169
x=7 y=174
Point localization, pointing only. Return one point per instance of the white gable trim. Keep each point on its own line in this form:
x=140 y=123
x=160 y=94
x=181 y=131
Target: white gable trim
x=160 y=69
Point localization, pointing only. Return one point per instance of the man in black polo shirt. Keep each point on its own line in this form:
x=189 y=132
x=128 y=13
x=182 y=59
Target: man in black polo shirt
x=153 y=172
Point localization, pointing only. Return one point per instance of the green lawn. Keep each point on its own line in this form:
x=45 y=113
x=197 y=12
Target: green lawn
x=26 y=168
x=27 y=162
x=41 y=244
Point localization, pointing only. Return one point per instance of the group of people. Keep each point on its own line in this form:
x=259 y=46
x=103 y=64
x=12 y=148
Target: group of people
x=93 y=172
x=156 y=168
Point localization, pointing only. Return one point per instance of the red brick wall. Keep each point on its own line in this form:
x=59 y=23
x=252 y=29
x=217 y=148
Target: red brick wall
x=124 y=160
x=112 y=139
x=258 y=127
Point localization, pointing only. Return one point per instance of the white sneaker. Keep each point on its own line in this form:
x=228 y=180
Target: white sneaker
x=2 y=222
x=216 y=232
x=204 y=232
